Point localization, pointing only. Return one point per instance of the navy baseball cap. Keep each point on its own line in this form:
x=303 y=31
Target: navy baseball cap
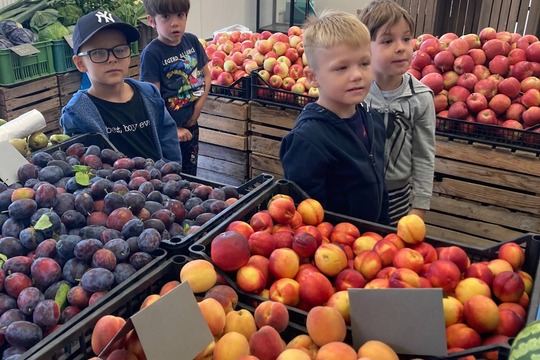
x=97 y=20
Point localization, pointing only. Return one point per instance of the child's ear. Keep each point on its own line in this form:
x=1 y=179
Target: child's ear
x=151 y=21
x=79 y=63
x=310 y=75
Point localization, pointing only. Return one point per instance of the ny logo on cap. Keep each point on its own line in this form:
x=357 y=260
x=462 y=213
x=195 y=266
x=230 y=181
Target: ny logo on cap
x=105 y=15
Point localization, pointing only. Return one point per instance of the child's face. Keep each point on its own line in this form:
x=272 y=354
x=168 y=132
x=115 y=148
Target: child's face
x=111 y=72
x=170 y=27
x=343 y=76
x=391 y=51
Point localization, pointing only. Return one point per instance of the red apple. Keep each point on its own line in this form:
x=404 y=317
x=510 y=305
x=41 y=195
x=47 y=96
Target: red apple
x=430 y=46
x=509 y=87
x=478 y=56
x=467 y=80
x=450 y=79
x=530 y=82
x=531 y=116
x=533 y=51
x=476 y=102
x=434 y=81
x=531 y=98
x=487 y=33
x=481 y=71
x=458 y=93
x=499 y=65
x=499 y=103
x=458 y=47
x=463 y=64
x=458 y=110
x=495 y=47
x=516 y=55
x=420 y=60
x=431 y=68
x=444 y=60
x=515 y=111
x=487 y=116
x=486 y=87
x=441 y=102
x=522 y=70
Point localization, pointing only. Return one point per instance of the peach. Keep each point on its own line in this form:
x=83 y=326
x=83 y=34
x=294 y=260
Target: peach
x=525 y=300
x=313 y=230
x=499 y=265
x=230 y=250
x=515 y=307
x=462 y=336
x=261 y=243
x=411 y=229
x=427 y=251
x=368 y=263
x=455 y=254
x=304 y=244
x=261 y=221
x=386 y=272
x=481 y=313
x=200 y=274
x=121 y=354
x=315 y=289
x=286 y=291
x=375 y=349
x=404 y=278
x=394 y=239
x=494 y=339
x=251 y=279
x=527 y=280
x=325 y=324
x=374 y=235
x=468 y=287
x=510 y=323
x=105 y=330
x=508 y=286
x=444 y=274
x=363 y=243
x=225 y=295
x=378 y=283
x=272 y=313
x=408 y=258
x=168 y=287
x=231 y=346
x=349 y=278
x=330 y=259
x=207 y=352
x=281 y=210
x=304 y=343
x=325 y=228
x=480 y=271
x=340 y=301
x=133 y=344
x=344 y=233
x=266 y=343
x=261 y=263
x=240 y=321
x=283 y=263
x=513 y=253
x=311 y=211
x=386 y=251
x=304 y=269
x=214 y=314
x=336 y=351
x=293 y=354
x=241 y=227
x=453 y=310
x=149 y=300
x=296 y=220
x=283 y=239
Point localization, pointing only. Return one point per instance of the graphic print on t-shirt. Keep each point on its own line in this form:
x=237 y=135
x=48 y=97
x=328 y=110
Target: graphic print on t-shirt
x=182 y=73
x=396 y=131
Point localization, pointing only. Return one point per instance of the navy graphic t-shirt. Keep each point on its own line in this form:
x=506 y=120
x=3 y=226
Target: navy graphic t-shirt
x=179 y=71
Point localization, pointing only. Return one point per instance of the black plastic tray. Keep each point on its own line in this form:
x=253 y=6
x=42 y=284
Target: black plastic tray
x=240 y=89
x=494 y=135
x=201 y=249
x=179 y=245
x=85 y=139
x=100 y=306
x=263 y=93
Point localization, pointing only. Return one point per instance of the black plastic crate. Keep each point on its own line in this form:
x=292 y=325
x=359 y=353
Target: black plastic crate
x=240 y=89
x=247 y=191
x=101 y=305
x=75 y=343
x=86 y=139
x=262 y=92
x=531 y=242
x=495 y=135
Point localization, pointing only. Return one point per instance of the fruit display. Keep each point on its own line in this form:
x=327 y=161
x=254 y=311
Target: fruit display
x=278 y=59
x=292 y=252
x=82 y=220
x=522 y=347
x=490 y=78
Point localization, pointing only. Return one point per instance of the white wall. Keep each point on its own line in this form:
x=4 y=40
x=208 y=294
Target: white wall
x=207 y=16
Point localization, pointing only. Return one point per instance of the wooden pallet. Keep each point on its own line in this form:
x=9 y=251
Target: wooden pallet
x=41 y=94
x=483 y=194
x=222 y=164
x=133 y=71
x=68 y=84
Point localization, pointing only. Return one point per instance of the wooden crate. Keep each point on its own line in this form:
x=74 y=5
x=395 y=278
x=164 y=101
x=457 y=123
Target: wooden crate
x=222 y=164
x=52 y=118
x=133 y=71
x=483 y=194
x=41 y=94
x=68 y=84
x=268 y=125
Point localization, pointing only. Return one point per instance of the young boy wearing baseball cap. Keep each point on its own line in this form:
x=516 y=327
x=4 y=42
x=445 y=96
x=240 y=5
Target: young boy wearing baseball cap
x=130 y=113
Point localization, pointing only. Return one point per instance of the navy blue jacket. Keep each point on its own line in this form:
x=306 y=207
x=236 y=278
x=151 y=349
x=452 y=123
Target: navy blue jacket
x=81 y=116
x=328 y=161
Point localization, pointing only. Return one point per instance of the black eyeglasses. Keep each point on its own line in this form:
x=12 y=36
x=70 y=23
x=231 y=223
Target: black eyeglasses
x=102 y=55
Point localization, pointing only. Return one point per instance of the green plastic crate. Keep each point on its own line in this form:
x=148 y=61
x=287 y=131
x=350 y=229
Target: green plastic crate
x=17 y=69
x=62 y=54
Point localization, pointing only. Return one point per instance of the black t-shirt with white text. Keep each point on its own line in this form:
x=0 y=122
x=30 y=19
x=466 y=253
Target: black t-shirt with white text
x=128 y=126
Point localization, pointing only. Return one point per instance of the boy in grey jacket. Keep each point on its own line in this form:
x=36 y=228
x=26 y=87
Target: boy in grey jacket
x=406 y=106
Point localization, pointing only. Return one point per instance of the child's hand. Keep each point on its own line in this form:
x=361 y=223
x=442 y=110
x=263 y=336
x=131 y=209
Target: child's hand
x=419 y=212
x=183 y=134
x=193 y=119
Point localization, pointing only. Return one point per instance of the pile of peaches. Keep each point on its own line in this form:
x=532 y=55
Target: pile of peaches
x=289 y=254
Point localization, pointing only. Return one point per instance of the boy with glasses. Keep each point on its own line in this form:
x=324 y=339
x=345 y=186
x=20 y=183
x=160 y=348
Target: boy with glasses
x=130 y=113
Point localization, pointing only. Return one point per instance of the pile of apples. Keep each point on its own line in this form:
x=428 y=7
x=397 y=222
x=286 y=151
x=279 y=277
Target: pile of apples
x=241 y=332
x=289 y=254
x=488 y=78
x=278 y=58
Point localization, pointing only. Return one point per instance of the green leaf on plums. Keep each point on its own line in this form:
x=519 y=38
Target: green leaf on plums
x=3 y=259
x=82 y=168
x=61 y=296
x=82 y=178
x=43 y=223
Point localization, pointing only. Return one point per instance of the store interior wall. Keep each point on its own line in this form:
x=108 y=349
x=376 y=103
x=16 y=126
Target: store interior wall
x=207 y=16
